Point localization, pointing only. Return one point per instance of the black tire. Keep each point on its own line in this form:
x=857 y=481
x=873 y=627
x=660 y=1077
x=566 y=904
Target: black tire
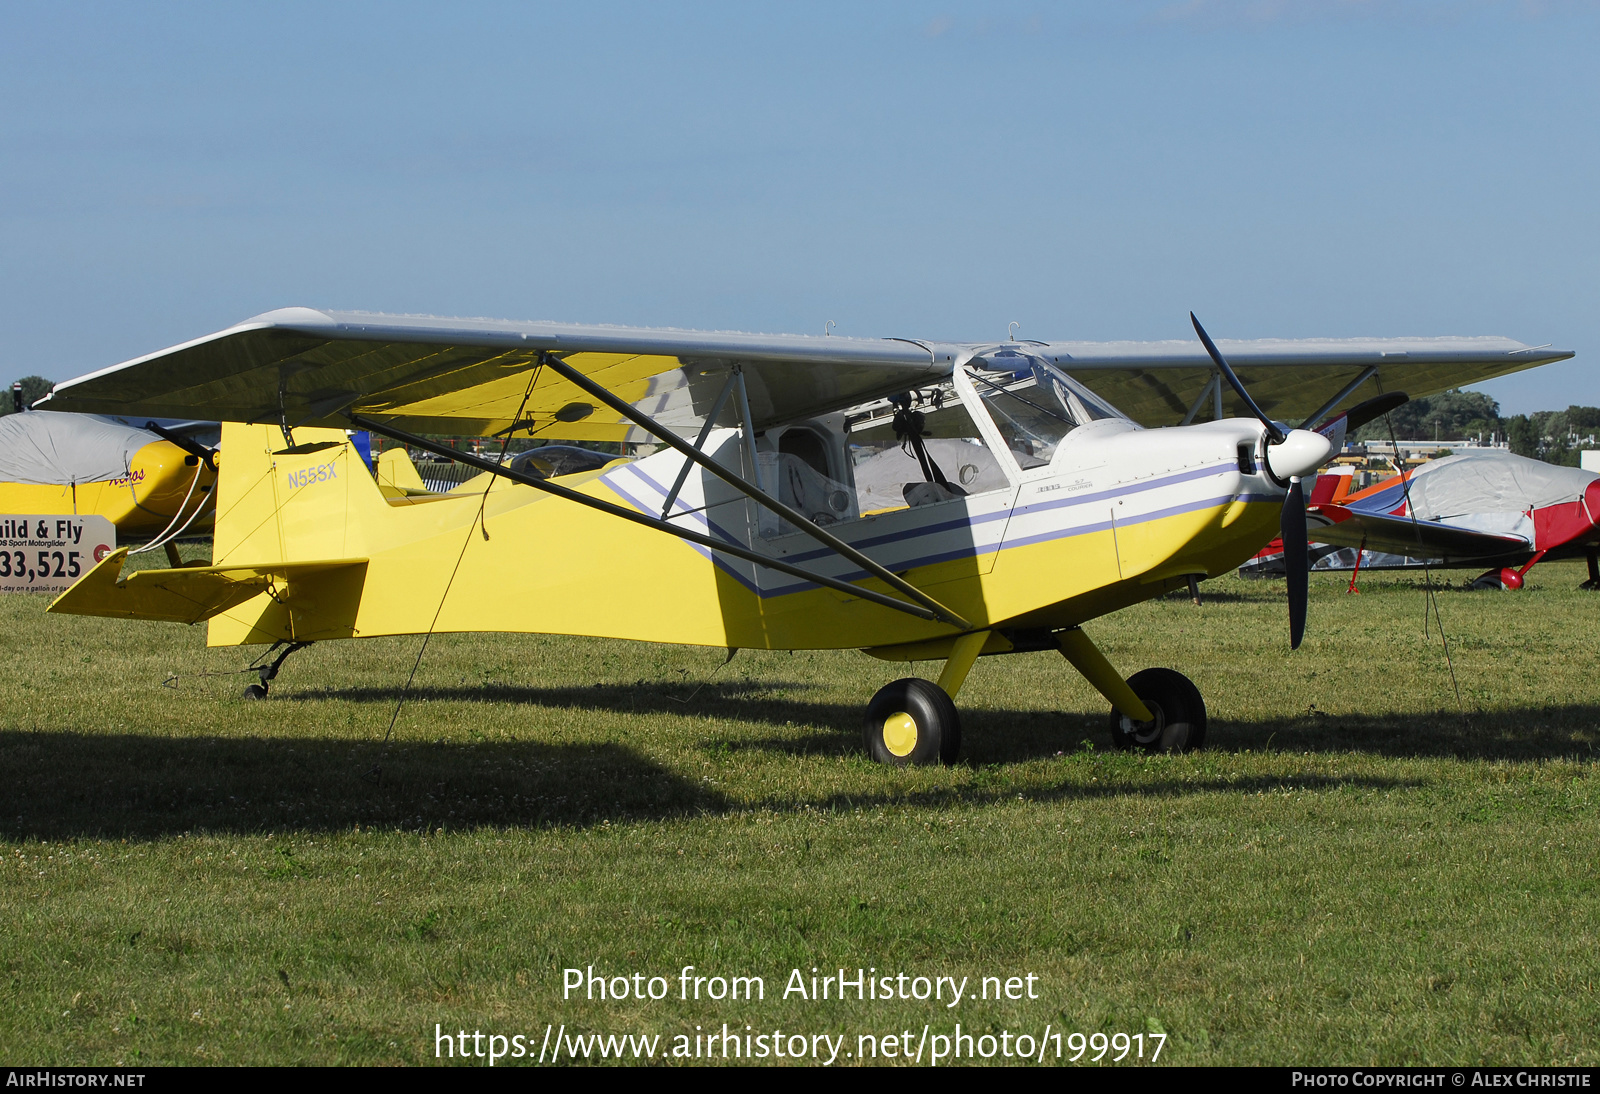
x=256 y=691
x=1180 y=722
x=927 y=729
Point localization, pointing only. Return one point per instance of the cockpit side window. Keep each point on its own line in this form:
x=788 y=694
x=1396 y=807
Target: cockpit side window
x=801 y=473
x=927 y=449
x=806 y=446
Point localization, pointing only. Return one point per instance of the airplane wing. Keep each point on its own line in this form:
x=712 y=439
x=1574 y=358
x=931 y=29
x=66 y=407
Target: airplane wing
x=1346 y=527
x=1156 y=383
x=472 y=376
x=301 y=366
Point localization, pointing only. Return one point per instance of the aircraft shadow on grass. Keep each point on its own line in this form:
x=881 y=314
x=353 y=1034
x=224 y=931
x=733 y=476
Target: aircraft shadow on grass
x=104 y=786
x=75 y=785
x=1012 y=736
x=65 y=785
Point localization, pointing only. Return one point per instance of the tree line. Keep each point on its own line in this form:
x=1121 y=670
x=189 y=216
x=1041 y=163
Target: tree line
x=33 y=387
x=1555 y=436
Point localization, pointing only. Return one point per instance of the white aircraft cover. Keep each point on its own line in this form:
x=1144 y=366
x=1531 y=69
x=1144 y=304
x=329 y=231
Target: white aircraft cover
x=43 y=448
x=1492 y=481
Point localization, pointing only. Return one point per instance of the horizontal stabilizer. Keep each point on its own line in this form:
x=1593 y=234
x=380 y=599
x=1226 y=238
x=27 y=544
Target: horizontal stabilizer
x=186 y=595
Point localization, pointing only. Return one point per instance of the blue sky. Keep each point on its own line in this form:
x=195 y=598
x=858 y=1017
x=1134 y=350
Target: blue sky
x=1089 y=170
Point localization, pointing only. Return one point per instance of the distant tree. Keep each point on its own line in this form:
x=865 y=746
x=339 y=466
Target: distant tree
x=1549 y=424
x=1523 y=436
x=33 y=387
x=1583 y=420
x=1449 y=415
x=1560 y=452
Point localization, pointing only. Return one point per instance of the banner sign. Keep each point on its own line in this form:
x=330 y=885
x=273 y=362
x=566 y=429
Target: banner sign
x=48 y=552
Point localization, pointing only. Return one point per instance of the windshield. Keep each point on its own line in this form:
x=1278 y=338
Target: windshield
x=1034 y=404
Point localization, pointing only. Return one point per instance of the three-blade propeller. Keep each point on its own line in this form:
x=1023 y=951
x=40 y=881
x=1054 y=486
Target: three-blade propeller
x=1289 y=455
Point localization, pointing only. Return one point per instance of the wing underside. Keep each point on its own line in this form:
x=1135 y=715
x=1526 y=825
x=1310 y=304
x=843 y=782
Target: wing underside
x=1159 y=383
x=1345 y=527
x=474 y=377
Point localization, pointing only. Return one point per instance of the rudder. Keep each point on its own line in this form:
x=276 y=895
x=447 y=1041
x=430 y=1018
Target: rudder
x=280 y=504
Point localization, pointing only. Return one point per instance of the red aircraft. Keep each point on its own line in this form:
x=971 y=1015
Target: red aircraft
x=1481 y=508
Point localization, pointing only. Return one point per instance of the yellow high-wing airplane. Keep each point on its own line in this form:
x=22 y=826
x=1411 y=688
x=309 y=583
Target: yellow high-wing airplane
x=914 y=499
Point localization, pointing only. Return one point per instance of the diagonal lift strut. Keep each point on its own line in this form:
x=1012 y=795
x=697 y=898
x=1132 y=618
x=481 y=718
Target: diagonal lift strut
x=761 y=497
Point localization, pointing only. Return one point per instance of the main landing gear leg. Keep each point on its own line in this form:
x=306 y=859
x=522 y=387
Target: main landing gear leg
x=269 y=672
x=1594 y=571
x=1156 y=710
x=914 y=721
x=1508 y=578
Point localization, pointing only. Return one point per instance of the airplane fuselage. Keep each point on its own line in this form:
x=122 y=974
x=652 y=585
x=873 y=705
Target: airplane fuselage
x=1119 y=516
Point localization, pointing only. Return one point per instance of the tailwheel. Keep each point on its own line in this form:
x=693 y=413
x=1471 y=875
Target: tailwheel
x=269 y=672
x=912 y=721
x=1180 y=714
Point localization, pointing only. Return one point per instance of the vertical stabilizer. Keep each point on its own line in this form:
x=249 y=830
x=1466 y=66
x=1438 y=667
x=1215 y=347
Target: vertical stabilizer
x=301 y=515
x=281 y=504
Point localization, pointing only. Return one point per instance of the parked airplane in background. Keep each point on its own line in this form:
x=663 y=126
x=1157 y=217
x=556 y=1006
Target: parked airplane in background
x=913 y=498
x=1484 y=508
x=148 y=480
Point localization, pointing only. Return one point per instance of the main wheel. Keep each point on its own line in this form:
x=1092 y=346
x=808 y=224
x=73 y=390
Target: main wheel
x=1180 y=714
x=912 y=721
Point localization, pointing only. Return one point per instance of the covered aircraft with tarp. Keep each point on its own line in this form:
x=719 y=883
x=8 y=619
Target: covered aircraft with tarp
x=146 y=481
x=1485 y=508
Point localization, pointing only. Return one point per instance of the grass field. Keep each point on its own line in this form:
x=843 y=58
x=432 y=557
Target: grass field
x=1356 y=869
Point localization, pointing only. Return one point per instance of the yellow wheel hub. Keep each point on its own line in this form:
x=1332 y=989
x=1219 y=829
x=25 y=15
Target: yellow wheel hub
x=900 y=734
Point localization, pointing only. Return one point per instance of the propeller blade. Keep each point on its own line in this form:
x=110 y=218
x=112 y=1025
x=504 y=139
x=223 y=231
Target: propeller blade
x=1296 y=563
x=1274 y=434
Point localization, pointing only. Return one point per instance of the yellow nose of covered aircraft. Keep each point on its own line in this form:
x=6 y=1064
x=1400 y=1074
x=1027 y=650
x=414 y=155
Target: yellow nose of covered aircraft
x=89 y=465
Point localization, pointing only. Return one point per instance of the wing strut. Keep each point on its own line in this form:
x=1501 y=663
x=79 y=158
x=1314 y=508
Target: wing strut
x=1327 y=407
x=1200 y=400
x=648 y=521
x=700 y=441
x=793 y=516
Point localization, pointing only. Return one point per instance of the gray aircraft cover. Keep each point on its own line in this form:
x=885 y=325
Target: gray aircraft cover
x=44 y=448
x=1492 y=481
